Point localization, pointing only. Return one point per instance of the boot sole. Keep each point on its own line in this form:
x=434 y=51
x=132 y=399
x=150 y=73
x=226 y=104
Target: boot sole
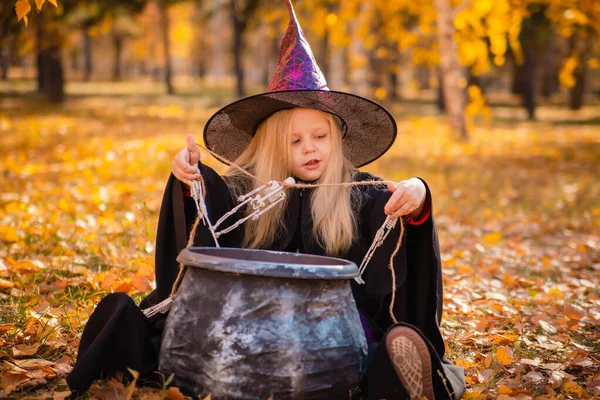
x=410 y=357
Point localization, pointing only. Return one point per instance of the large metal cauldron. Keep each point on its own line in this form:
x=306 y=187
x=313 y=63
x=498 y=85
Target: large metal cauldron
x=250 y=324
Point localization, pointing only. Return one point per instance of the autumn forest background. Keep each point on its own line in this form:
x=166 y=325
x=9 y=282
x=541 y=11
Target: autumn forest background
x=498 y=108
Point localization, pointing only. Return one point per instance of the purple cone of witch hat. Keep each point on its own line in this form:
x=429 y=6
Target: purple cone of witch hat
x=297 y=68
x=369 y=130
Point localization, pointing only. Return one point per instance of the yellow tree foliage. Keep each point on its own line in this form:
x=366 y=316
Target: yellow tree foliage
x=23 y=7
x=574 y=19
x=496 y=21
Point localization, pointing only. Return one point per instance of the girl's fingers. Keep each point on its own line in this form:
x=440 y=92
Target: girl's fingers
x=183 y=175
x=181 y=160
x=193 y=150
x=405 y=206
x=396 y=201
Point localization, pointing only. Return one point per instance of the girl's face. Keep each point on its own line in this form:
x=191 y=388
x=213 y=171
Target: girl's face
x=310 y=146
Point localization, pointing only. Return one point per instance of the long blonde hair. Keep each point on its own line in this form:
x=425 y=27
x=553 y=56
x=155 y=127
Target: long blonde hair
x=268 y=158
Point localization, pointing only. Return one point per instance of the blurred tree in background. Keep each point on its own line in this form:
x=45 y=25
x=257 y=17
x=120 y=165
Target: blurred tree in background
x=386 y=49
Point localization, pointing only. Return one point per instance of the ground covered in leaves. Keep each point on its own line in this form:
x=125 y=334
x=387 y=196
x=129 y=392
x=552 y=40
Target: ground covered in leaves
x=518 y=212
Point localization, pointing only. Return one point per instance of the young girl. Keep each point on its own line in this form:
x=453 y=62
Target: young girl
x=301 y=129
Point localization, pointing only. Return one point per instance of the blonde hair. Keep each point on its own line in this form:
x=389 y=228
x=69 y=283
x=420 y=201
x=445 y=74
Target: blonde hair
x=268 y=158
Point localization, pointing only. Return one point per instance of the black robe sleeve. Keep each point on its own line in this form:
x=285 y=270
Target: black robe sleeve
x=425 y=276
x=176 y=218
x=416 y=267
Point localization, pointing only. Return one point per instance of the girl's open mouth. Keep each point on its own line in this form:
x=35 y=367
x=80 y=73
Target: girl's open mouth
x=312 y=164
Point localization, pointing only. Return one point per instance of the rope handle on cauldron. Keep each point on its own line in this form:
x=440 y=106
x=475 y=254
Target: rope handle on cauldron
x=273 y=194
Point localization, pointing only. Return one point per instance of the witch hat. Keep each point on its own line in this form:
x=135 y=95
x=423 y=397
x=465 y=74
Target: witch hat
x=368 y=128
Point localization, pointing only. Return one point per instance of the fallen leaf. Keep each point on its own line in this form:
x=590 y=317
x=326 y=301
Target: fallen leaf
x=505 y=390
x=131 y=387
x=504 y=355
x=547 y=327
x=573 y=311
x=21 y=350
x=5 y=284
x=10 y=381
x=572 y=388
x=32 y=363
x=533 y=376
x=492 y=238
x=173 y=393
x=141 y=283
x=124 y=287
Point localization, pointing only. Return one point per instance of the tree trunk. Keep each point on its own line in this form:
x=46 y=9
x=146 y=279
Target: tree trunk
x=165 y=25
x=238 y=46
x=325 y=65
x=5 y=53
x=422 y=72
x=523 y=82
x=53 y=74
x=439 y=102
x=87 y=54
x=393 y=77
x=576 y=94
x=454 y=96
x=117 y=64
x=40 y=54
x=51 y=80
x=551 y=68
x=527 y=89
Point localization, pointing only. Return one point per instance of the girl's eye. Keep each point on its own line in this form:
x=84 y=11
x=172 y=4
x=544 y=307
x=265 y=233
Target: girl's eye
x=321 y=136
x=295 y=141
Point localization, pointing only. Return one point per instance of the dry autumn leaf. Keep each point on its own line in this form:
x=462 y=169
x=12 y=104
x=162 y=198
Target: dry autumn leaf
x=173 y=393
x=573 y=311
x=22 y=8
x=10 y=381
x=505 y=390
x=131 y=387
x=504 y=355
x=492 y=238
x=22 y=350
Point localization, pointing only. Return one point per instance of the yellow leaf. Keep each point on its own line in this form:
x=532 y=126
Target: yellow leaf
x=124 y=287
x=492 y=237
x=4 y=284
x=141 y=283
x=53 y=2
x=22 y=7
x=505 y=390
x=10 y=234
x=473 y=395
x=173 y=393
x=573 y=388
x=504 y=355
x=555 y=292
x=108 y=281
x=39 y=4
x=63 y=204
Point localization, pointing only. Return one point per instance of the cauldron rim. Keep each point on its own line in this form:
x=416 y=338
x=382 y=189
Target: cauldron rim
x=230 y=260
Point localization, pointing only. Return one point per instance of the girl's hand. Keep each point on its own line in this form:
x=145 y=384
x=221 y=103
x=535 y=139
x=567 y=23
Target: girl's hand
x=408 y=197
x=185 y=163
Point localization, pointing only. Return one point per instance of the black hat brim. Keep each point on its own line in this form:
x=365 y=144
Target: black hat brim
x=369 y=129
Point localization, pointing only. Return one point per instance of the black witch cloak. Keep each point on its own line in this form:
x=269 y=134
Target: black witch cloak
x=417 y=267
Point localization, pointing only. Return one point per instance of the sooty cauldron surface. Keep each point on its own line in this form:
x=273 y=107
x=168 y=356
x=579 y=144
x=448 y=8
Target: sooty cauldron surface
x=250 y=324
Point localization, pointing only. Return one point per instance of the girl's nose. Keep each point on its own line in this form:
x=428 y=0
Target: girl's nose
x=308 y=147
